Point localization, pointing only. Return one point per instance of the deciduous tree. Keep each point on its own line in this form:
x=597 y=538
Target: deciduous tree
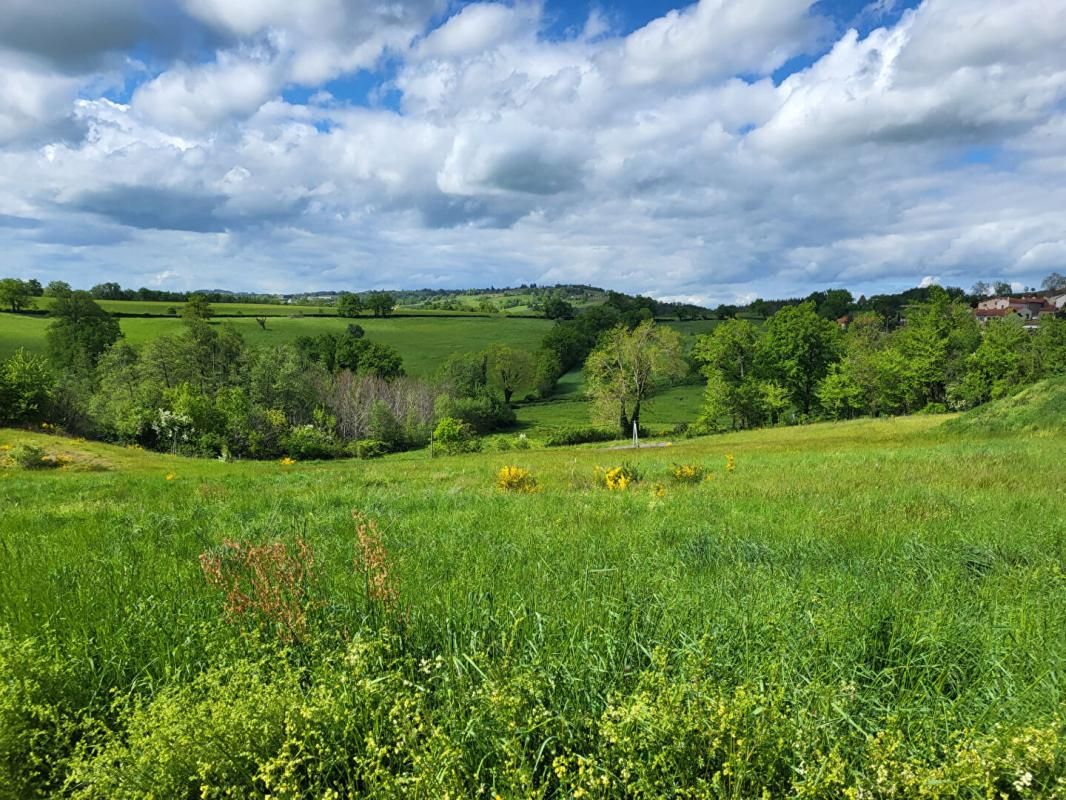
x=627 y=366
x=16 y=294
x=80 y=331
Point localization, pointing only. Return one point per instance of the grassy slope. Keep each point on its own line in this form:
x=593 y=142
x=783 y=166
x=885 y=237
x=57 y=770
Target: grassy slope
x=885 y=575
x=1040 y=409
x=424 y=342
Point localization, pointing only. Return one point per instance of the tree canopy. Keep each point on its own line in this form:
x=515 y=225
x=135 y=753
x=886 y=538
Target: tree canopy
x=15 y=294
x=627 y=366
x=80 y=331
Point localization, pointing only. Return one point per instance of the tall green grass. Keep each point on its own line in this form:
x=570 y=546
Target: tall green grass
x=870 y=607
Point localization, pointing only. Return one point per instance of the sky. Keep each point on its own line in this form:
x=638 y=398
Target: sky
x=712 y=152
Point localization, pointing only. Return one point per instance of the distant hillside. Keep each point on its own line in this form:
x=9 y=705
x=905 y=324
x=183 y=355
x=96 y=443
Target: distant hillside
x=1040 y=407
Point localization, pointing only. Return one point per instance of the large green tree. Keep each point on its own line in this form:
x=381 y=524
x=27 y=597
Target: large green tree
x=15 y=294
x=627 y=366
x=509 y=370
x=197 y=309
x=796 y=350
x=381 y=303
x=80 y=331
x=728 y=356
x=935 y=342
x=349 y=304
x=1002 y=362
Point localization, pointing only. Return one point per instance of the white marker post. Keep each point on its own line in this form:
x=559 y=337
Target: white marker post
x=636 y=438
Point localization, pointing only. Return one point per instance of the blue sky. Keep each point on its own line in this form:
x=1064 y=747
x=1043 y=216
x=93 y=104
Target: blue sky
x=715 y=151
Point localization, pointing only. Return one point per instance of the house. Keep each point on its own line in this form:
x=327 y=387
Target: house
x=1029 y=308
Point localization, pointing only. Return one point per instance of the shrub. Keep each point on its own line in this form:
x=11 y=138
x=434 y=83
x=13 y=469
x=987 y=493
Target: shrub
x=369 y=448
x=306 y=442
x=688 y=473
x=454 y=436
x=617 y=479
x=38 y=723
x=516 y=479
x=485 y=411
x=934 y=408
x=573 y=436
x=28 y=456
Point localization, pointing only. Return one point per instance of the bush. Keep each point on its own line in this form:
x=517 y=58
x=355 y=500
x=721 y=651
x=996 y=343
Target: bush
x=38 y=726
x=453 y=436
x=384 y=427
x=688 y=473
x=308 y=442
x=369 y=448
x=580 y=436
x=484 y=412
x=26 y=386
x=28 y=456
x=934 y=408
x=516 y=479
x=618 y=479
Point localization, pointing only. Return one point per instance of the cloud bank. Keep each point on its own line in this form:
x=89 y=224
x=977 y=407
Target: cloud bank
x=725 y=150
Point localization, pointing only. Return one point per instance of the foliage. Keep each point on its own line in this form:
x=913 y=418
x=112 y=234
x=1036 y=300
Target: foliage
x=28 y=456
x=381 y=304
x=558 y=308
x=353 y=352
x=26 y=385
x=627 y=366
x=509 y=370
x=16 y=295
x=454 y=436
x=516 y=479
x=1002 y=362
x=349 y=304
x=80 y=332
x=370 y=448
x=484 y=412
x=304 y=442
x=197 y=309
x=572 y=436
x=795 y=351
x=689 y=473
x=1054 y=282
x=618 y=479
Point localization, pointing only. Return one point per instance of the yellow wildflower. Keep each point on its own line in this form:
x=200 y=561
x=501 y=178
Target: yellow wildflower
x=516 y=479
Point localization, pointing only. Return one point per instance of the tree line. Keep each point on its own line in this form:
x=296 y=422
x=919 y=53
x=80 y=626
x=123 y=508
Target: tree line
x=205 y=391
x=18 y=295
x=800 y=366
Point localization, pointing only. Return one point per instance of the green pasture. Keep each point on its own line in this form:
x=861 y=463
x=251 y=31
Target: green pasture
x=424 y=342
x=861 y=609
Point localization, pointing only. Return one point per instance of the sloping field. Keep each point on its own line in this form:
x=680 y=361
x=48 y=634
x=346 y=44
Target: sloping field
x=858 y=609
x=424 y=342
x=1040 y=409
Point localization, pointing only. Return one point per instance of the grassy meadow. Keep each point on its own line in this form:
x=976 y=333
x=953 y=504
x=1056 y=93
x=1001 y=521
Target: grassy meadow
x=872 y=609
x=424 y=342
